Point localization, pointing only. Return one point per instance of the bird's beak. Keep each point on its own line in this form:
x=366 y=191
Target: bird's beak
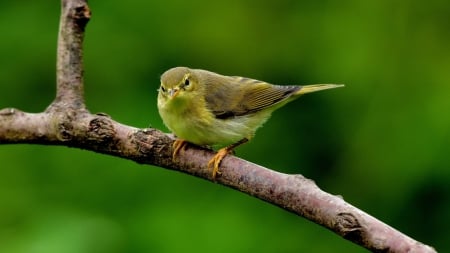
x=173 y=93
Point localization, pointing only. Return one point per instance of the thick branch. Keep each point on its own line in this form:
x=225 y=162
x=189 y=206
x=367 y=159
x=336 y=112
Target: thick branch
x=67 y=122
x=294 y=193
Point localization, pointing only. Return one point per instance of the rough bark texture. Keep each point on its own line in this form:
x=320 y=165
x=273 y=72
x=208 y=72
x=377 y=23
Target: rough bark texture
x=67 y=122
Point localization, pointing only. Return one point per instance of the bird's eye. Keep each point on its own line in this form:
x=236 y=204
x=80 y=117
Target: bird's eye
x=186 y=82
x=162 y=89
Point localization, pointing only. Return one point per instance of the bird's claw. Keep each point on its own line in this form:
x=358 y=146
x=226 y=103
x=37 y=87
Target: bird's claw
x=178 y=145
x=214 y=163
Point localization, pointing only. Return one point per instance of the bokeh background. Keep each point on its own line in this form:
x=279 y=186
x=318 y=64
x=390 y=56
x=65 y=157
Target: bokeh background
x=382 y=142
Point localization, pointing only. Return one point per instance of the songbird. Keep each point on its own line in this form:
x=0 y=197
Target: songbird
x=209 y=109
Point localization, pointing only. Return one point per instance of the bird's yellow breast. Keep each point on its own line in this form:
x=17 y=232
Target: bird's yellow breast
x=194 y=123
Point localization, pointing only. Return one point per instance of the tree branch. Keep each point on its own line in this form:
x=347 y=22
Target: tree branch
x=67 y=122
x=69 y=64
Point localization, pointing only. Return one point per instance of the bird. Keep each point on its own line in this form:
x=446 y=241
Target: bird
x=213 y=110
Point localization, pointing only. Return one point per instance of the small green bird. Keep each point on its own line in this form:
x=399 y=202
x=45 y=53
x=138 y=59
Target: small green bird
x=209 y=109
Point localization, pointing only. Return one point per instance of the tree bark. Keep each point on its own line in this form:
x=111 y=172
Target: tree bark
x=67 y=122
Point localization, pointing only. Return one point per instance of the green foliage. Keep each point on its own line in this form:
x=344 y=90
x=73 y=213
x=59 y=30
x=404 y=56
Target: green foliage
x=381 y=142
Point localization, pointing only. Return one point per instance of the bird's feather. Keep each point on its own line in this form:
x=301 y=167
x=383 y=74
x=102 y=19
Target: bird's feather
x=242 y=96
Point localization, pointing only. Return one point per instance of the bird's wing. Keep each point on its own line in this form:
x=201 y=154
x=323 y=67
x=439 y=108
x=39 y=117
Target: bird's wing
x=241 y=96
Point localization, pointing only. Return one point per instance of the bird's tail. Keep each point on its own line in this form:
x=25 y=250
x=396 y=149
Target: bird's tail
x=316 y=87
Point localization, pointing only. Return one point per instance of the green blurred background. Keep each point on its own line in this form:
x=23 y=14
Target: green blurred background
x=382 y=142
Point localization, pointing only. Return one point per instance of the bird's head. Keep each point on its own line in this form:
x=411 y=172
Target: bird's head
x=178 y=84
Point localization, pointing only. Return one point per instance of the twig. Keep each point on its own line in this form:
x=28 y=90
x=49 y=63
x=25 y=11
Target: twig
x=67 y=122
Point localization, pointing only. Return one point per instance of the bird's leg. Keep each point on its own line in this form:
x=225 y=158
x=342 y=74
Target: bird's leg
x=178 y=144
x=215 y=161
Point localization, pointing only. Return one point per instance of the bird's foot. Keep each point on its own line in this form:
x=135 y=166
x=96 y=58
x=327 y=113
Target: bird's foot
x=178 y=145
x=214 y=163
